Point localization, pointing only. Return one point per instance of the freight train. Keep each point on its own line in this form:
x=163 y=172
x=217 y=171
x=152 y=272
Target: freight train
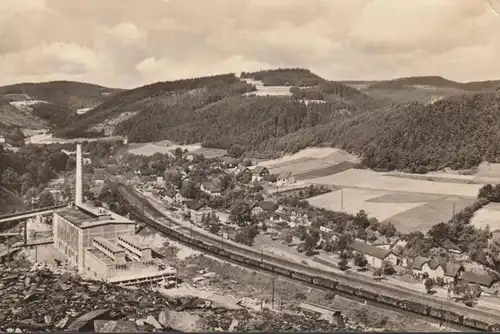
x=324 y=282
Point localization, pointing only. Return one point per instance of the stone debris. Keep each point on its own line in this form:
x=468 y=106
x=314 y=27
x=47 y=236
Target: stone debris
x=39 y=299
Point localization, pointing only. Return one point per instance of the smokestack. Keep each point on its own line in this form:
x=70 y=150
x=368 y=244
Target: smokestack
x=79 y=175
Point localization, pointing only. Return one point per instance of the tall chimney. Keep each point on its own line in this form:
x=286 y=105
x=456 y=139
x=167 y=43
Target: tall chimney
x=79 y=176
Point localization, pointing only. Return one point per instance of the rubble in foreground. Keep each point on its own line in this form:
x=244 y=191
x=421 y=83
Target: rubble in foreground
x=36 y=298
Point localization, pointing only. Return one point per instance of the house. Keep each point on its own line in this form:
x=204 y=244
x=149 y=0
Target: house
x=197 y=210
x=417 y=265
x=452 y=271
x=172 y=196
x=2 y=140
x=485 y=281
x=211 y=187
x=433 y=269
x=448 y=271
x=285 y=178
x=130 y=175
x=99 y=176
x=258 y=208
x=376 y=256
x=259 y=172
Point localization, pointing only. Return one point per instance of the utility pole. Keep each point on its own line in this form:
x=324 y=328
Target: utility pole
x=440 y=320
x=191 y=231
x=262 y=256
x=453 y=209
x=222 y=239
x=272 y=305
x=26 y=232
x=342 y=199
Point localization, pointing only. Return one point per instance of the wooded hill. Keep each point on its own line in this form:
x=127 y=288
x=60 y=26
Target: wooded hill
x=458 y=131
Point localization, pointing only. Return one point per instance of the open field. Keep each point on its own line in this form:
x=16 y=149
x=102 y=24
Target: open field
x=488 y=215
x=367 y=179
x=267 y=90
x=166 y=146
x=410 y=204
x=312 y=162
x=355 y=200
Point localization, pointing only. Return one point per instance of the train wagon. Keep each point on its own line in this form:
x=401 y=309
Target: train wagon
x=237 y=258
x=477 y=324
x=266 y=266
x=415 y=307
x=223 y=252
x=283 y=271
x=252 y=262
x=453 y=317
x=325 y=282
x=302 y=276
x=388 y=300
x=346 y=288
x=367 y=294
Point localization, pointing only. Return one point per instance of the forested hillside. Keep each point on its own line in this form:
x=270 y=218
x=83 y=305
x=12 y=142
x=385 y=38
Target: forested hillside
x=61 y=100
x=160 y=104
x=285 y=77
x=458 y=131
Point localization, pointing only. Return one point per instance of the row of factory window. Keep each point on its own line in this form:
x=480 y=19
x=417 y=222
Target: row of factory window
x=130 y=244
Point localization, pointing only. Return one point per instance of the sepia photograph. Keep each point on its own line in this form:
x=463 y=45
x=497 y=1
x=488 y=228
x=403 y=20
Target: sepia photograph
x=249 y=166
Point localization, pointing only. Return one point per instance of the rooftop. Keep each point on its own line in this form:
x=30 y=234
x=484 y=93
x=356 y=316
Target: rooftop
x=101 y=256
x=134 y=241
x=367 y=249
x=112 y=246
x=85 y=216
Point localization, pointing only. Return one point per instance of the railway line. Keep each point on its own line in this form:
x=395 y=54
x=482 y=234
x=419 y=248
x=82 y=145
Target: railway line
x=351 y=287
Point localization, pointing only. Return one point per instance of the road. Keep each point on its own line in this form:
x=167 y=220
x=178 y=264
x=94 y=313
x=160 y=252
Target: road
x=153 y=211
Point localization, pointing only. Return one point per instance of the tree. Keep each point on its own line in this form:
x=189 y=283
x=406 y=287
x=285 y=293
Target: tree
x=58 y=161
x=360 y=260
x=214 y=228
x=311 y=240
x=343 y=264
x=188 y=190
x=429 y=284
x=46 y=199
x=240 y=212
x=178 y=153
x=388 y=269
x=235 y=151
x=246 y=235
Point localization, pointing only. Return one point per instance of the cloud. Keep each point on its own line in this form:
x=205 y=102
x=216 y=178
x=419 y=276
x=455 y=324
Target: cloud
x=124 y=43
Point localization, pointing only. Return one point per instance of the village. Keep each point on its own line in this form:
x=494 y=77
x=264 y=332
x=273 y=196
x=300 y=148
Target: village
x=249 y=204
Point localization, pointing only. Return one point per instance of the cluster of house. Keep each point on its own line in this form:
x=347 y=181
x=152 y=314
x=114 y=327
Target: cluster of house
x=448 y=271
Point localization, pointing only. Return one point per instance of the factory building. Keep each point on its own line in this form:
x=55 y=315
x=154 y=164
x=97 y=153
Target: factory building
x=101 y=243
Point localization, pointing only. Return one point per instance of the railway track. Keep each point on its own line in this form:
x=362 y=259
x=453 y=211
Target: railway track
x=144 y=210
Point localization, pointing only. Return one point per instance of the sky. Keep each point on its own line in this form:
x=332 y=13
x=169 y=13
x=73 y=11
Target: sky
x=128 y=43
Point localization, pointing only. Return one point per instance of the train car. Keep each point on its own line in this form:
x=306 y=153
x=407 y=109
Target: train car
x=283 y=271
x=212 y=248
x=303 y=277
x=388 y=300
x=266 y=266
x=476 y=324
x=453 y=317
x=237 y=258
x=252 y=262
x=415 y=307
x=346 y=288
x=325 y=282
x=223 y=252
x=367 y=294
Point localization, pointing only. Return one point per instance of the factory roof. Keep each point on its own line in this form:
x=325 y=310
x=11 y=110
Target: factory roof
x=134 y=241
x=86 y=216
x=114 y=248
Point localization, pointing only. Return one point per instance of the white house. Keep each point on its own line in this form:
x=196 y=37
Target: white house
x=211 y=187
x=259 y=172
x=417 y=265
x=172 y=196
x=376 y=256
x=262 y=207
x=285 y=178
x=197 y=210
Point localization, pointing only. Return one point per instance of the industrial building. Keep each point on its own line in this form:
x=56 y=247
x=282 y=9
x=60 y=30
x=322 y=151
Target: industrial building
x=101 y=243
